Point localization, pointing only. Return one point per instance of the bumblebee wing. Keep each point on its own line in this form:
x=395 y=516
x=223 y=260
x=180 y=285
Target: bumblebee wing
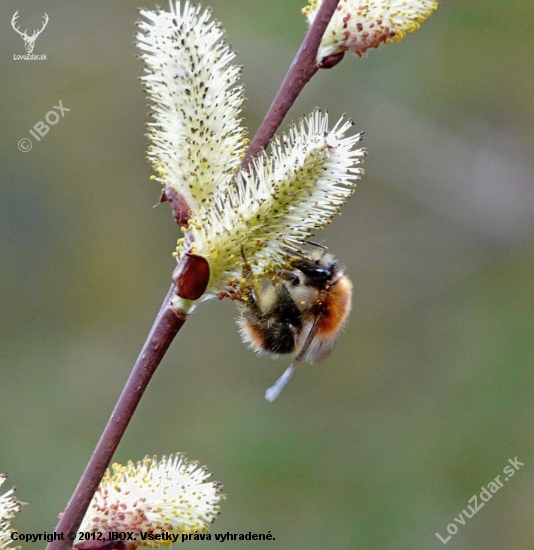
x=274 y=391
x=319 y=349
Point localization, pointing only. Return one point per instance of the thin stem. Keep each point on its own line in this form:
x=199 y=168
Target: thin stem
x=165 y=328
x=304 y=66
x=168 y=322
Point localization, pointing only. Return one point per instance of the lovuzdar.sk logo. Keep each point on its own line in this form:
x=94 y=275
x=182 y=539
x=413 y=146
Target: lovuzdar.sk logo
x=29 y=40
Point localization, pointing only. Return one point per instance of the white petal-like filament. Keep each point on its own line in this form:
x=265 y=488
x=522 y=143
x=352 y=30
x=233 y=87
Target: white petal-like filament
x=166 y=496
x=196 y=139
x=10 y=506
x=289 y=193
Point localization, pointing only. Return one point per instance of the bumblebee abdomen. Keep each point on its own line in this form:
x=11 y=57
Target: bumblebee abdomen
x=280 y=338
x=266 y=336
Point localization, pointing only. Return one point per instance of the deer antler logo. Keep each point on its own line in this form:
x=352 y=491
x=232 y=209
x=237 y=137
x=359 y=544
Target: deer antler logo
x=29 y=41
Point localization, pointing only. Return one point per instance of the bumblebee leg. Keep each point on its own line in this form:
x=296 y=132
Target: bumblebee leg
x=253 y=287
x=274 y=391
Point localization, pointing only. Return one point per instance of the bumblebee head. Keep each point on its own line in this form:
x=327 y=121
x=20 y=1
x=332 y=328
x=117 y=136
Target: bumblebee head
x=319 y=270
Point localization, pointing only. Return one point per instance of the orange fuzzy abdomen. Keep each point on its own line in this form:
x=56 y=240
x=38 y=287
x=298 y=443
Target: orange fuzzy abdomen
x=335 y=302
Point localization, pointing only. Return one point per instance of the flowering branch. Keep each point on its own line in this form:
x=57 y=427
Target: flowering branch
x=228 y=200
x=168 y=498
x=169 y=321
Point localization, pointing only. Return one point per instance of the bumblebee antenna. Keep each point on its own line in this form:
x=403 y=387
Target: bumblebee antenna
x=276 y=389
x=318 y=245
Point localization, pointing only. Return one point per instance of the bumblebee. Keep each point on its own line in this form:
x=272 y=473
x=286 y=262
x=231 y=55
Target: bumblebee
x=299 y=310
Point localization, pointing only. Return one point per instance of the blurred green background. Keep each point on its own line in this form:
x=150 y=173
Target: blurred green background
x=429 y=391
